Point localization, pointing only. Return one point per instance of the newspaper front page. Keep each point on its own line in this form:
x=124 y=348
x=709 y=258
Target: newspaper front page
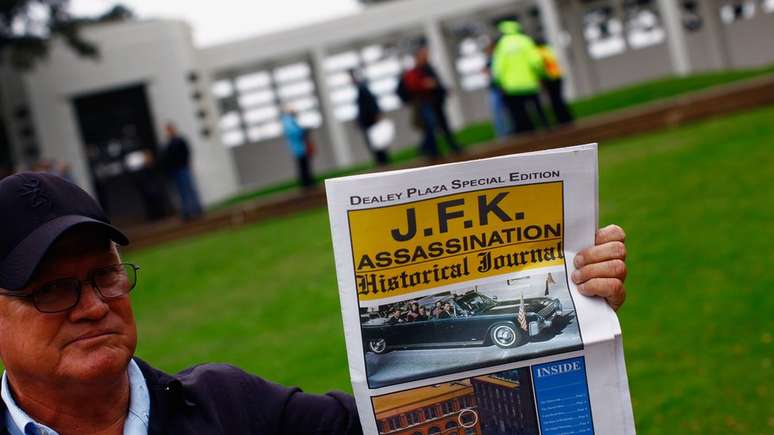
x=459 y=314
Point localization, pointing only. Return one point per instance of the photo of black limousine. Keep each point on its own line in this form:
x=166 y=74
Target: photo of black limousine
x=488 y=324
x=471 y=319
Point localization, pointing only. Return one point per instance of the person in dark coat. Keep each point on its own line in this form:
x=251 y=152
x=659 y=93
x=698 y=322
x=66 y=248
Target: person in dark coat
x=176 y=159
x=368 y=114
x=422 y=89
x=552 y=83
x=68 y=336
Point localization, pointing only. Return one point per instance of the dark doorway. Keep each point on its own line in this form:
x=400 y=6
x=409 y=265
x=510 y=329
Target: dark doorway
x=6 y=154
x=122 y=150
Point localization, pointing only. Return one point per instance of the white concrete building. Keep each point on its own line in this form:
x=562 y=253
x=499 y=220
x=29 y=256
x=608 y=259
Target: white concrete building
x=226 y=99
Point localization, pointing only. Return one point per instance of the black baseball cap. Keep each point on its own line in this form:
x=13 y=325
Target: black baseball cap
x=35 y=210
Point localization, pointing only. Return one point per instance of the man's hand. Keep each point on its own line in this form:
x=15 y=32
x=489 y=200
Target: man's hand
x=601 y=270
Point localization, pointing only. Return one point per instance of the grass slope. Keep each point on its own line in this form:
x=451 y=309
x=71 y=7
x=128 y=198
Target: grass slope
x=695 y=202
x=697 y=205
x=659 y=89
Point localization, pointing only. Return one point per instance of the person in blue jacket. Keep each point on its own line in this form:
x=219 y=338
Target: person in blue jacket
x=298 y=142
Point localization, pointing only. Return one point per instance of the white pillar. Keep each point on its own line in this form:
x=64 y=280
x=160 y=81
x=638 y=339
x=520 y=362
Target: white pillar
x=553 y=29
x=586 y=82
x=714 y=32
x=619 y=11
x=444 y=65
x=10 y=82
x=342 y=150
x=678 y=47
x=214 y=164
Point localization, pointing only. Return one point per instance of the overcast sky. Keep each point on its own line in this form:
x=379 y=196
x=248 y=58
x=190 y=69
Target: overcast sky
x=217 y=21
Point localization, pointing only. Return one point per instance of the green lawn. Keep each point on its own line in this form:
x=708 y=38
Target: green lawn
x=695 y=201
x=666 y=87
x=609 y=101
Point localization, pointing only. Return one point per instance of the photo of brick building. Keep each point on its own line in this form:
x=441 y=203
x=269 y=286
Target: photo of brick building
x=496 y=404
x=448 y=409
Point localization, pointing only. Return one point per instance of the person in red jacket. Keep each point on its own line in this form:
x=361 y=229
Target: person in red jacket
x=422 y=89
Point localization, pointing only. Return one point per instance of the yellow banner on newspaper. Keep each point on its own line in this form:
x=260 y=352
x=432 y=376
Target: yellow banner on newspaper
x=446 y=240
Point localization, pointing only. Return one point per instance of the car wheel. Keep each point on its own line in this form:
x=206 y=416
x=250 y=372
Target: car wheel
x=505 y=335
x=377 y=346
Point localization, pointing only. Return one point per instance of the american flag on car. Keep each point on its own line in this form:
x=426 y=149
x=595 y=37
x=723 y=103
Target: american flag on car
x=522 y=316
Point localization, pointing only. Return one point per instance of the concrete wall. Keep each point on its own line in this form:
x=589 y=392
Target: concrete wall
x=13 y=97
x=475 y=105
x=700 y=51
x=269 y=162
x=632 y=66
x=750 y=41
x=158 y=54
x=716 y=45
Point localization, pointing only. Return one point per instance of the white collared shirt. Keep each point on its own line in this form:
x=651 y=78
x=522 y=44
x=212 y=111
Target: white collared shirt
x=19 y=423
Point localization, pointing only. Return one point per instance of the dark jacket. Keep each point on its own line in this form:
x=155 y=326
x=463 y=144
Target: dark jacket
x=177 y=154
x=413 y=91
x=220 y=399
x=367 y=107
x=416 y=90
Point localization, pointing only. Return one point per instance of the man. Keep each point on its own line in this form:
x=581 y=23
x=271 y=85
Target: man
x=517 y=68
x=552 y=82
x=438 y=309
x=500 y=121
x=368 y=114
x=448 y=311
x=422 y=88
x=394 y=317
x=422 y=315
x=138 y=162
x=176 y=160
x=297 y=137
x=68 y=335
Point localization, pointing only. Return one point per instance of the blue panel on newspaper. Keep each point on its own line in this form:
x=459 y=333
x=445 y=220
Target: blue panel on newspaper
x=563 y=397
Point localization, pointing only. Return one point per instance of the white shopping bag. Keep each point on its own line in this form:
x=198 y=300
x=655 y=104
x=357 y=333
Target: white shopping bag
x=382 y=134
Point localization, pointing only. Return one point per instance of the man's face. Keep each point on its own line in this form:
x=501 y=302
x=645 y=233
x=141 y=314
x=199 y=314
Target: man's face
x=91 y=342
x=170 y=130
x=421 y=57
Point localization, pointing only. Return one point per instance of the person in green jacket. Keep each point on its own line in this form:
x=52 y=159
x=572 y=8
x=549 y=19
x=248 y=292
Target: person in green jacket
x=517 y=68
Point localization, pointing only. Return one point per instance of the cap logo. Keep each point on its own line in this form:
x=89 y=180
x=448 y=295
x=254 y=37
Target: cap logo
x=32 y=190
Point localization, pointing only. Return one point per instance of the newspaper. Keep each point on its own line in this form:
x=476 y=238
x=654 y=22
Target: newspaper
x=459 y=316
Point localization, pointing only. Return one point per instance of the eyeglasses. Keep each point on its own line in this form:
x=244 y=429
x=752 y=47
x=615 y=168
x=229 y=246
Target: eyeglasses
x=111 y=282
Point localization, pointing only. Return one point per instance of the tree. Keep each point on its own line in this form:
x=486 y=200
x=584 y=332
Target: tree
x=27 y=27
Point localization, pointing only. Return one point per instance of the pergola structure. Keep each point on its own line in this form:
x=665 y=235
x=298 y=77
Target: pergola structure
x=601 y=44
x=227 y=98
